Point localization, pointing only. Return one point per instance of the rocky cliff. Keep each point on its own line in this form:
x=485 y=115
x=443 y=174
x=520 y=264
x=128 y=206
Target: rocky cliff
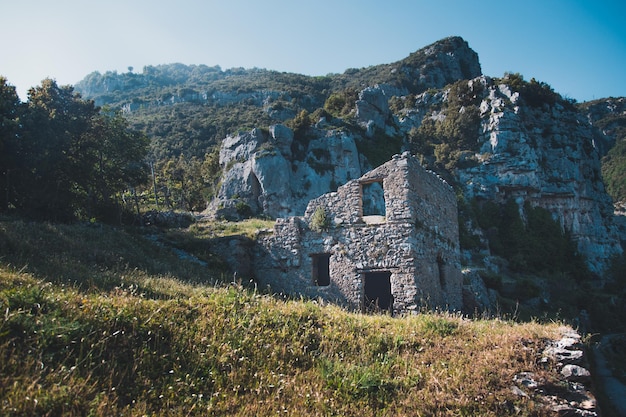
x=494 y=139
x=543 y=154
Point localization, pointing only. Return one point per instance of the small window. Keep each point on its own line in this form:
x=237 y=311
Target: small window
x=321 y=269
x=373 y=199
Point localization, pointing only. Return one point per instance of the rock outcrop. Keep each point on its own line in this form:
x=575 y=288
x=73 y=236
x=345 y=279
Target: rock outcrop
x=546 y=155
x=543 y=154
x=261 y=176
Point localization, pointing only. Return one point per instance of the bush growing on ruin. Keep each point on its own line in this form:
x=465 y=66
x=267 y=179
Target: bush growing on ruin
x=320 y=220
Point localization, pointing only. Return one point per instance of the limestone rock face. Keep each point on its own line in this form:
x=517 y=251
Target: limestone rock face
x=543 y=155
x=261 y=176
x=547 y=155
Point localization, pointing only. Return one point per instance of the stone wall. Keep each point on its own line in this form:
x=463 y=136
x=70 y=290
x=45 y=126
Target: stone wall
x=414 y=241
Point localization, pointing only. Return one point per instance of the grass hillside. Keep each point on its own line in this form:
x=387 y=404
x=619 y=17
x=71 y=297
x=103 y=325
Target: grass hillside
x=100 y=321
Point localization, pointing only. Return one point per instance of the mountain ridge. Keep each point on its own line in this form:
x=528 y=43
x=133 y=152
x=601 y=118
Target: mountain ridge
x=403 y=72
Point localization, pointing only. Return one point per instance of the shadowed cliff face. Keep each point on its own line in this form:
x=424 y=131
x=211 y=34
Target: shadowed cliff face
x=545 y=155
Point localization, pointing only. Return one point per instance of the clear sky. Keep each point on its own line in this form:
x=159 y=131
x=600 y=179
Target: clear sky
x=576 y=46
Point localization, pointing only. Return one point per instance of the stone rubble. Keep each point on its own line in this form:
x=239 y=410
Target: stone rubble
x=566 y=356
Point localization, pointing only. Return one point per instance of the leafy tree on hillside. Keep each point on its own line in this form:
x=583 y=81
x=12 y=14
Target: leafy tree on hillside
x=9 y=113
x=114 y=162
x=189 y=183
x=534 y=244
x=449 y=140
x=70 y=158
x=53 y=148
x=614 y=171
x=535 y=93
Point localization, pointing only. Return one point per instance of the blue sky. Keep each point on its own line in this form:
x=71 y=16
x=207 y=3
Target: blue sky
x=576 y=46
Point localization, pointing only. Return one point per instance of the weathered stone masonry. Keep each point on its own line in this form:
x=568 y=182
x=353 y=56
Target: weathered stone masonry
x=391 y=242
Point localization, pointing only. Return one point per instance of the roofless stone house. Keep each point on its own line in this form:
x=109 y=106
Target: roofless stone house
x=390 y=241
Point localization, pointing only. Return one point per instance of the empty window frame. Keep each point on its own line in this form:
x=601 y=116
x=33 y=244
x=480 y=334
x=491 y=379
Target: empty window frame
x=373 y=198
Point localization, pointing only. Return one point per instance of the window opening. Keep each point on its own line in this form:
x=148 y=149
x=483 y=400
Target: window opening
x=441 y=263
x=378 y=295
x=373 y=197
x=321 y=269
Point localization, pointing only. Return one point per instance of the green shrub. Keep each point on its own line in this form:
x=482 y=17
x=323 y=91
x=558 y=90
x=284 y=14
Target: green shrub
x=526 y=289
x=614 y=170
x=380 y=148
x=439 y=326
x=320 y=220
x=243 y=209
x=491 y=280
x=525 y=244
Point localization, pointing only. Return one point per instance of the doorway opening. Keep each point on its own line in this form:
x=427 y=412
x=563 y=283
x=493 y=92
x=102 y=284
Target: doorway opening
x=377 y=291
x=321 y=269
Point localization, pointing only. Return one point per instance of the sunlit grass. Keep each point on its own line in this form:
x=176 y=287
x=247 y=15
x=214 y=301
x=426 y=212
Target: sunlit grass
x=221 y=228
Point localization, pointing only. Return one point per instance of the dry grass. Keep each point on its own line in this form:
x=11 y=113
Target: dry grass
x=148 y=343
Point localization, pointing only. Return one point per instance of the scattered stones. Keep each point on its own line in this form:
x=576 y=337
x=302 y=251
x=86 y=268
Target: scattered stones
x=518 y=391
x=575 y=373
x=526 y=379
x=570 y=397
x=567 y=350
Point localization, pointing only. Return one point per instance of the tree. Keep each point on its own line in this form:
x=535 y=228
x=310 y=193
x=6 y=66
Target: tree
x=113 y=161
x=52 y=150
x=74 y=158
x=9 y=124
x=184 y=182
x=211 y=171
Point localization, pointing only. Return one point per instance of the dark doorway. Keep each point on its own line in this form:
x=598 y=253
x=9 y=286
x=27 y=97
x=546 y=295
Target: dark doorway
x=378 y=291
x=321 y=269
x=441 y=263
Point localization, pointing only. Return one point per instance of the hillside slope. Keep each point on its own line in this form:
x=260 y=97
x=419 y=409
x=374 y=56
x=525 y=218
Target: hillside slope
x=118 y=325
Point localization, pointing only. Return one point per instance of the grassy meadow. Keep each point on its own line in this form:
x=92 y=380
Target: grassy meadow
x=99 y=321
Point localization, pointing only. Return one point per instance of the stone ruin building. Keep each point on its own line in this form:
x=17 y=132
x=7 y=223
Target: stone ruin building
x=386 y=241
